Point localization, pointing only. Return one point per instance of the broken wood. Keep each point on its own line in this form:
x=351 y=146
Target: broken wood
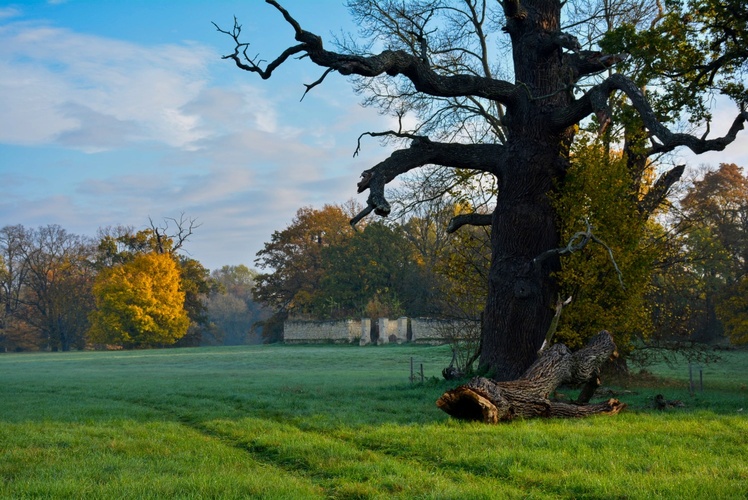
x=489 y=401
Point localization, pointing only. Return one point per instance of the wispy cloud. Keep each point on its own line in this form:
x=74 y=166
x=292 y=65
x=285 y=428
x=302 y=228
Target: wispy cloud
x=9 y=12
x=52 y=78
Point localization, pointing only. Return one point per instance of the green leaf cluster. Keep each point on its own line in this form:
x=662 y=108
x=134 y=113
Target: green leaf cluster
x=599 y=190
x=694 y=49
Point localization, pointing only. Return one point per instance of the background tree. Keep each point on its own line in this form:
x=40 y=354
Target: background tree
x=713 y=226
x=196 y=284
x=231 y=306
x=295 y=257
x=46 y=282
x=140 y=303
x=457 y=261
x=12 y=278
x=12 y=240
x=121 y=244
x=375 y=269
x=551 y=93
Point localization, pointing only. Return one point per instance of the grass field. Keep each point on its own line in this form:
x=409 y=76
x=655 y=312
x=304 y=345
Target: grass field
x=343 y=422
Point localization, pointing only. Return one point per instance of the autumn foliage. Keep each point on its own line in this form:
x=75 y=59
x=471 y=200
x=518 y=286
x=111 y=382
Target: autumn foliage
x=139 y=303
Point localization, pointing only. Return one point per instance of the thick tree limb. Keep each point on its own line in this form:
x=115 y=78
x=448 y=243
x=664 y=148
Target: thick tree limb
x=657 y=194
x=566 y=41
x=513 y=9
x=527 y=397
x=390 y=62
x=422 y=151
x=586 y=63
x=595 y=101
x=474 y=219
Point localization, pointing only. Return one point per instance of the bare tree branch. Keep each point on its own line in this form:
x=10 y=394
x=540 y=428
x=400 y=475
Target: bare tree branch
x=595 y=100
x=310 y=86
x=576 y=243
x=422 y=151
x=184 y=228
x=389 y=133
x=252 y=64
x=390 y=62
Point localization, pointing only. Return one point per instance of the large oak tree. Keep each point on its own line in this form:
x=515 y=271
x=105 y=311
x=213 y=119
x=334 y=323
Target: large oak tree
x=556 y=85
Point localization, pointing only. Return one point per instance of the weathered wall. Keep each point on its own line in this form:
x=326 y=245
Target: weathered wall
x=303 y=332
x=440 y=331
x=422 y=330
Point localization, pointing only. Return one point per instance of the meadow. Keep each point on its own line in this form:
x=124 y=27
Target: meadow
x=345 y=422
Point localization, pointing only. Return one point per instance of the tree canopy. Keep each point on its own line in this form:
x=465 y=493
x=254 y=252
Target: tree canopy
x=140 y=303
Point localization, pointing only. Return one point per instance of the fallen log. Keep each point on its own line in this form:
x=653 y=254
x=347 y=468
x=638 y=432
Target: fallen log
x=489 y=401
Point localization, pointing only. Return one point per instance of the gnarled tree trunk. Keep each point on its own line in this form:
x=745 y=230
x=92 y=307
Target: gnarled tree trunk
x=489 y=401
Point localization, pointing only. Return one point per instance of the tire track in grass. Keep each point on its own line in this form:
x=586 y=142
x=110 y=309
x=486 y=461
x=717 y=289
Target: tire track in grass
x=344 y=469
x=281 y=482
x=337 y=464
x=340 y=466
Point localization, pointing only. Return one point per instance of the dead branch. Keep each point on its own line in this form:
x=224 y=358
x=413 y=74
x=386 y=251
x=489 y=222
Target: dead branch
x=422 y=152
x=390 y=62
x=184 y=227
x=577 y=242
x=595 y=101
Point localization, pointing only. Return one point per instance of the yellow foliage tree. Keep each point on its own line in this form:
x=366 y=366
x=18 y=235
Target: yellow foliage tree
x=139 y=303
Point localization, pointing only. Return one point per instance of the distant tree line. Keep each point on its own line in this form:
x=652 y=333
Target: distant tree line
x=681 y=275
x=124 y=288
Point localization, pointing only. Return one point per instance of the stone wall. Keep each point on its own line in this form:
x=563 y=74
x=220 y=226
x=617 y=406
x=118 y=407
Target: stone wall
x=419 y=330
x=306 y=332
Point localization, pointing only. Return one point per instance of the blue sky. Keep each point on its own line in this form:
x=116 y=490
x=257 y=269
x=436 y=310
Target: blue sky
x=115 y=111
x=112 y=112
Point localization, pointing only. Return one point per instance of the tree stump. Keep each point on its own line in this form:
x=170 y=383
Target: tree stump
x=489 y=401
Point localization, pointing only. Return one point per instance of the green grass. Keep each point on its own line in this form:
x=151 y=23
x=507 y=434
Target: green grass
x=343 y=422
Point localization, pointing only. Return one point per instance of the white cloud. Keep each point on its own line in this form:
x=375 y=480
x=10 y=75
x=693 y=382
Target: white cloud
x=52 y=78
x=9 y=12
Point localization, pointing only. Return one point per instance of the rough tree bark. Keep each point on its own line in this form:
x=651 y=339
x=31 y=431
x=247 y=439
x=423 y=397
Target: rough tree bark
x=489 y=401
x=542 y=112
